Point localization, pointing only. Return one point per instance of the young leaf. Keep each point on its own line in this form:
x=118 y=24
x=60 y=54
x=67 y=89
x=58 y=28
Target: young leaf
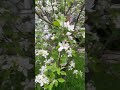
x=58 y=71
x=63 y=73
x=56 y=23
x=61 y=80
x=56 y=83
x=51 y=86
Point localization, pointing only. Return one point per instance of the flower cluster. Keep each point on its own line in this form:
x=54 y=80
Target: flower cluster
x=42 y=79
x=67 y=25
x=43 y=53
x=63 y=46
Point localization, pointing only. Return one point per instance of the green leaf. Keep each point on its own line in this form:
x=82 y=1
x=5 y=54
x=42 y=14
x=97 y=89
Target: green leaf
x=52 y=75
x=63 y=73
x=45 y=86
x=56 y=23
x=61 y=80
x=55 y=54
x=38 y=87
x=51 y=86
x=58 y=71
x=73 y=53
x=56 y=83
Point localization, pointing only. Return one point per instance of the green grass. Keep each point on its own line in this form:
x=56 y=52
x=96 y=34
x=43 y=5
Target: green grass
x=73 y=83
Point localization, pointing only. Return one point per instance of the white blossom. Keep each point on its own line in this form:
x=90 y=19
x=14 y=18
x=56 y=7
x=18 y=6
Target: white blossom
x=69 y=52
x=70 y=27
x=45 y=44
x=68 y=33
x=41 y=79
x=53 y=37
x=44 y=53
x=63 y=46
x=75 y=72
x=47 y=36
x=49 y=60
x=70 y=37
x=72 y=65
x=43 y=69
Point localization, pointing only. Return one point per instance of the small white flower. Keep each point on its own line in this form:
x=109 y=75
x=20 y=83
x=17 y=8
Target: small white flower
x=49 y=60
x=83 y=34
x=47 y=36
x=43 y=69
x=53 y=37
x=55 y=8
x=46 y=27
x=45 y=44
x=75 y=72
x=70 y=27
x=46 y=31
x=69 y=52
x=70 y=37
x=63 y=45
x=72 y=65
x=68 y=33
x=44 y=53
x=42 y=79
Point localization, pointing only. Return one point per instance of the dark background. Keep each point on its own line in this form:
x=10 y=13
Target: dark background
x=17 y=50
x=102 y=45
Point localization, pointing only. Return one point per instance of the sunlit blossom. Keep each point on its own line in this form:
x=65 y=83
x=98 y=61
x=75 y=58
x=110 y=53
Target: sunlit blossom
x=68 y=33
x=47 y=36
x=69 y=52
x=44 y=53
x=53 y=37
x=72 y=65
x=43 y=69
x=49 y=60
x=41 y=79
x=63 y=46
x=75 y=72
x=70 y=27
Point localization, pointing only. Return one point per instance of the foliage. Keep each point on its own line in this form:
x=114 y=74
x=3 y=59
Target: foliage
x=59 y=35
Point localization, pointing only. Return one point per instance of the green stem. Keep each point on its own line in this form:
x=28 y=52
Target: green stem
x=59 y=59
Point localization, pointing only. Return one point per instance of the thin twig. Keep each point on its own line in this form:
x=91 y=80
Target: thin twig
x=45 y=14
x=43 y=18
x=79 y=15
x=64 y=7
x=52 y=7
x=69 y=9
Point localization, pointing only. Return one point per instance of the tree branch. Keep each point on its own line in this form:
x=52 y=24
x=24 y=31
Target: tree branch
x=79 y=15
x=43 y=18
